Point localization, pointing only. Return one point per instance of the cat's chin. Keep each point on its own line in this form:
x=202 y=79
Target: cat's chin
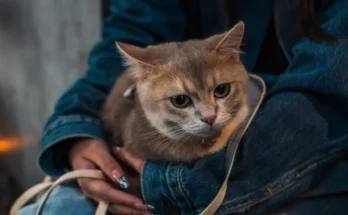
x=209 y=134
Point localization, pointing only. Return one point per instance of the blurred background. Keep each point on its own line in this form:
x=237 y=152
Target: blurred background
x=44 y=47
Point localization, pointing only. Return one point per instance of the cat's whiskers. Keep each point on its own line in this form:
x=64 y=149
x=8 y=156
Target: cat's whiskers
x=155 y=131
x=152 y=137
x=155 y=136
x=163 y=144
x=178 y=135
x=188 y=137
x=160 y=142
x=167 y=143
x=150 y=134
x=175 y=130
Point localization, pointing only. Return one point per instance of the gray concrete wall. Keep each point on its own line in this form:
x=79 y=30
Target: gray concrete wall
x=43 y=48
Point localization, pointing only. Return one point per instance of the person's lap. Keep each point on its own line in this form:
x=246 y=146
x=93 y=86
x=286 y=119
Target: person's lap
x=65 y=199
x=69 y=200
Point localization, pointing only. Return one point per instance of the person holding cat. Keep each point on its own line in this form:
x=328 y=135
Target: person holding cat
x=293 y=157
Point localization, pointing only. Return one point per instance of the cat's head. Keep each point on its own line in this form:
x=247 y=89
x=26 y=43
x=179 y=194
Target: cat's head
x=191 y=88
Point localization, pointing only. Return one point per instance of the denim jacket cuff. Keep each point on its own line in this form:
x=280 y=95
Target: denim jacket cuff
x=162 y=186
x=58 y=136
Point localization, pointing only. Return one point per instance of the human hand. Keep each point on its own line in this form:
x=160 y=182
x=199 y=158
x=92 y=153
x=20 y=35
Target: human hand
x=94 y=154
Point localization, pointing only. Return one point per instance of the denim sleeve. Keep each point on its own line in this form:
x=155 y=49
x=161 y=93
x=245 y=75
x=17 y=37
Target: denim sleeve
x=304 y=114
x=77 y=112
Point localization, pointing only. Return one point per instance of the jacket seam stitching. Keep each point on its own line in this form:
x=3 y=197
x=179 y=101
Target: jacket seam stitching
x=181 y=187
x=64 y=120
x=170 y=185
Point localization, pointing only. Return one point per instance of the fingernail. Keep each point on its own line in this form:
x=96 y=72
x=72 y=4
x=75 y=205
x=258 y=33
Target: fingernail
x=144 y=207
x=140 y=206
x=151 y=207
x=123 y=182
x=117 y=148
x=120 y=179
x=115 y=175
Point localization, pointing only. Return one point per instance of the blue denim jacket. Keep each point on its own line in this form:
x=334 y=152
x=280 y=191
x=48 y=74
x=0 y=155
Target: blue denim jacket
x=294 y=151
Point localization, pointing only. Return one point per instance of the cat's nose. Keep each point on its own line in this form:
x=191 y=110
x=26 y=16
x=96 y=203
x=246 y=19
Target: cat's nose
x=209 y=119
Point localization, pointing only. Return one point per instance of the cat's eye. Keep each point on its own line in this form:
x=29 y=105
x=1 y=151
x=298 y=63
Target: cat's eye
x=222 y=90
x=180 y=101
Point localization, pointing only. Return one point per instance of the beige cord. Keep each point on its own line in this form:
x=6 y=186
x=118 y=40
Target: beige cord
x=29 y=195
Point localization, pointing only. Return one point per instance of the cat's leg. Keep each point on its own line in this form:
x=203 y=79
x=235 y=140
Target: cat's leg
x=65 y=199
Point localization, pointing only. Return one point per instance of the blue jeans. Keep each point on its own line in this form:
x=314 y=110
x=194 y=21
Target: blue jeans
x=65 y=199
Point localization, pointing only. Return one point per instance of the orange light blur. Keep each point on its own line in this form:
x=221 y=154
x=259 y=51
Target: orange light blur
x=9 y=144
x=14 y=143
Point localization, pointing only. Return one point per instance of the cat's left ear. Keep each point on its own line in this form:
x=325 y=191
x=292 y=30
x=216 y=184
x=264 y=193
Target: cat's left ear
x=136 y=58
x=229 y=43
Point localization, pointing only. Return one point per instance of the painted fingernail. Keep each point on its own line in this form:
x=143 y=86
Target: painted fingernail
x=120 y=179
x=144 y=207
x=115 y=175
x=123 y=182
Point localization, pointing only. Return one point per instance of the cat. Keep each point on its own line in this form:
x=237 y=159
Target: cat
x=174 y=99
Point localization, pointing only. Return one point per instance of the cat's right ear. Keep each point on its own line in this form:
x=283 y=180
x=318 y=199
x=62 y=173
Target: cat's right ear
x=229 y=43
x=137 y=59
